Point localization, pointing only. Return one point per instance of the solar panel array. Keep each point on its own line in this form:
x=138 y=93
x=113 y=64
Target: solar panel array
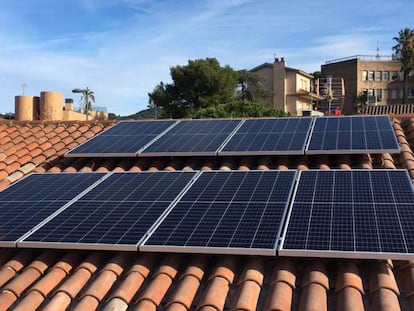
x=225 y=212
x=125 y=138
x=193 y=137
x=115 y=214
x=356 y=134
x=30 y=201
x=354 y=214
x=270 y=136
x=335 y=213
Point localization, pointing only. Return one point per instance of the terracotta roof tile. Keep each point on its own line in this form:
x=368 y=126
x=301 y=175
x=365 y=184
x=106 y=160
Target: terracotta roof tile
x=15 y=176
x=349 y=287
x=134 y=278
x=12 y=167
x=250 y=285
x=383 y=287
x=4 y=183
x=54 y=140
x=7 y=298
x=281 y=285
x=24 y=159
x=67 y=140
x=10 y=151
x=39 y=159
x=3 y=174
x=187 y=282
x=218 y=285
x=151 y=298
x=75 y=282
x=188 y=285
x=11 y=158
x=315 y=285
x=95 y=293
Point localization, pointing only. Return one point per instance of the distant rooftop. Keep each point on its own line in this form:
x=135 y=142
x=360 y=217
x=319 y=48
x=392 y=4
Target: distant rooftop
x=364 y=57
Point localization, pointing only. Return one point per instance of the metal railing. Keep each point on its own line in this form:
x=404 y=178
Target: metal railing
x=364 y=57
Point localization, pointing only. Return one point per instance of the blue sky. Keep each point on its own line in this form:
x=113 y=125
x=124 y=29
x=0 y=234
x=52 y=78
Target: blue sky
x=122 y=48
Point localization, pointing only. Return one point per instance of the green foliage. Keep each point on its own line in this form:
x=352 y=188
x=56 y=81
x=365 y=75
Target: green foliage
x=404 y=51
x=235 y=109
x=204 y=87
x=90 y=97
x=250 y=87
x=199 y=84
x=360 y=101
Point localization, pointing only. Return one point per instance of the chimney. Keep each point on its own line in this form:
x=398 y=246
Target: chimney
x=69 y=104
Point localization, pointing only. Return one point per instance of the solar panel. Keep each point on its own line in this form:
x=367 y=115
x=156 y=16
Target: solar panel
x=269 y=137
x=30 y=201
x=356 y=134
x=193 y=137
x=351 y=214
x=123 y=139
x=114 y=215
x=226 y=212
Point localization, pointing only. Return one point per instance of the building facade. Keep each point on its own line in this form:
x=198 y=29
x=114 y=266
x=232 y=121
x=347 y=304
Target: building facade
x=292 y=88
x=369 y=81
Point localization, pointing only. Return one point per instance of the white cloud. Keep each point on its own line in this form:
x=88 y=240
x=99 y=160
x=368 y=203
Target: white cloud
x=123 y=57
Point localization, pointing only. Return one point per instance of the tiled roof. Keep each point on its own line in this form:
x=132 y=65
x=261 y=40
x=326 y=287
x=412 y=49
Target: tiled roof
x=111 y=280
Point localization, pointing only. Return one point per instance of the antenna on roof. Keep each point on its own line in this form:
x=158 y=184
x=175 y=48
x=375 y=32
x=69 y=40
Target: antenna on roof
x=24 y=85
x=378 y=50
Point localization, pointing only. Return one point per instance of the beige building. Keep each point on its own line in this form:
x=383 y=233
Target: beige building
x=291 y=88
x=378 y=77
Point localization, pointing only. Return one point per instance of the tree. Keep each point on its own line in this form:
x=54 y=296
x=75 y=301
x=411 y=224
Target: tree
x=88 y=97
x=199 y=84
x=404 y=51
x=250 y=87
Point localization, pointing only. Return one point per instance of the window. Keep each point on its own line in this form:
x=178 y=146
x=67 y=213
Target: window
x=370 y=76
x=400 y=94
x=378 y=75
x=364 y=75
x=378 y=94
x=410 y=93
x=393 y=94
x=386 y=94
x=394 y=75
x=386 y=76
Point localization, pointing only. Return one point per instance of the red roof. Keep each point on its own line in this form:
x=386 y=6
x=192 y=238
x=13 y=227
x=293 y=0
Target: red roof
x=113 y=280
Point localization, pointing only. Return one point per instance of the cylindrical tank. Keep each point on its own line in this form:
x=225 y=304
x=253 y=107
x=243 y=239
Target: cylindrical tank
x=24 y=107
x=51 y=106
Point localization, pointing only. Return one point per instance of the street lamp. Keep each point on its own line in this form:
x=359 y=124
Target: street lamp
x=85 y=93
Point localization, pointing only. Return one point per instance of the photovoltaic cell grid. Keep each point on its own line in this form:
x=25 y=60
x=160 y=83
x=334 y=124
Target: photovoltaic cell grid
x=357 y=134
x=353 y=214
x=122 y=139
x=115 y=214
x=27 y=203
x=269 y=137
x=192 y=137
x=227 y=212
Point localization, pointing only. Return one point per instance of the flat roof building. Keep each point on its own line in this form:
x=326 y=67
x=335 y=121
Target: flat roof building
x=369 y=81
